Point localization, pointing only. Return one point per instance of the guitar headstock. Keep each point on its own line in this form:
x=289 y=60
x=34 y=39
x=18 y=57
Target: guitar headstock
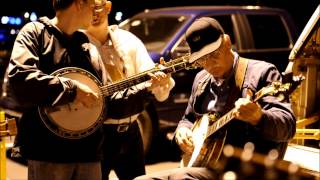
x=181 y=60
x=278 y=88
x=295 y=81
x=162 y=61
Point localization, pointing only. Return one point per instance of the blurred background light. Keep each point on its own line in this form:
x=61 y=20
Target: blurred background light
x=18 y=21
x=33 y=16
x=2 y=37
x=118 y=16
x=26 y=15
x=13 y=31
x=12 y=20
x=4 y=20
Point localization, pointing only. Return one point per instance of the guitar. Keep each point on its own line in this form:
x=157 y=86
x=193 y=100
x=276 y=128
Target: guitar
x=73 y=120
x=209 y=134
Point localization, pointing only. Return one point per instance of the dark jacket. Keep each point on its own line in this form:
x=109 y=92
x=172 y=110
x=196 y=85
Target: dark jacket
x=278 y=123
x=38 y=51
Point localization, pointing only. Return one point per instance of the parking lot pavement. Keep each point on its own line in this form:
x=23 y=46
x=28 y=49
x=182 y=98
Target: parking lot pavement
x=163 y=155
x=163 y=148
x=17 y=171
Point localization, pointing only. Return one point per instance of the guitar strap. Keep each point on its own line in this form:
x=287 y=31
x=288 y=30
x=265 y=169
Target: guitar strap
x=240 y=72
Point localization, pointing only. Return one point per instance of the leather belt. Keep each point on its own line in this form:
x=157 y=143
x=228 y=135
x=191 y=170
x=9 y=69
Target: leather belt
x=123 y=124
x=126 y=120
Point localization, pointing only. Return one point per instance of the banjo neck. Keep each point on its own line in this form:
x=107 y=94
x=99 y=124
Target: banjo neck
x=275 y=89
x=178 y=64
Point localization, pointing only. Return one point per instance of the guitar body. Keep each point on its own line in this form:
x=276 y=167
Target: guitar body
x=206 y=150
x=73 y=120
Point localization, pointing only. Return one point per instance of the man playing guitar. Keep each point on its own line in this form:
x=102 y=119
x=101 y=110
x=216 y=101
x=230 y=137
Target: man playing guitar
x=226 y=86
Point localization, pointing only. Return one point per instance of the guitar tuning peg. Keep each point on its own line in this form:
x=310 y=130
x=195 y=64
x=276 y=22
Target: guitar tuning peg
x=162 y=61
x=157 y=66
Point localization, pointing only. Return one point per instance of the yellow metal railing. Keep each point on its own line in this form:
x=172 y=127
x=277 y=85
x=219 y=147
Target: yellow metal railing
x=3 y=169
x=303 y=133
x=307 y=134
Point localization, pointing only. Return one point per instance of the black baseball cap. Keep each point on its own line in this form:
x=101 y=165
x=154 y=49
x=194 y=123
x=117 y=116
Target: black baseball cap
x=204 y=36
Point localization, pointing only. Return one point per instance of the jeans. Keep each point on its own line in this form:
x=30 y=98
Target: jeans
x=41 y=170
x=123 y=152
x=194 y=173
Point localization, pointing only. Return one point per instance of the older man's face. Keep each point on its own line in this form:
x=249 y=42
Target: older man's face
x=216 y=62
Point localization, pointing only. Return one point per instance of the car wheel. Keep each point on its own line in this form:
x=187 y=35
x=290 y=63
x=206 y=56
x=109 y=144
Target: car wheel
x=146 y=129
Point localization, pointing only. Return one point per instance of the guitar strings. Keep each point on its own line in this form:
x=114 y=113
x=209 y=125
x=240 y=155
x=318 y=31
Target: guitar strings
x=141 y=77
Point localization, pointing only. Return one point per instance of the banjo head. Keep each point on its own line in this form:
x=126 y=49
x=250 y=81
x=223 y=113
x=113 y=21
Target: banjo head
x=74 y=120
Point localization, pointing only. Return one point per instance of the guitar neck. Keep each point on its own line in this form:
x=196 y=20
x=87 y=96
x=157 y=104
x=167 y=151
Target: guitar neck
x=225 y=119
x=144 y=76
x=221 y=122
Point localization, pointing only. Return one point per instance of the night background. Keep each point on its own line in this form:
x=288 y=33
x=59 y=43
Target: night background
x=14 y=11
x=299 y=10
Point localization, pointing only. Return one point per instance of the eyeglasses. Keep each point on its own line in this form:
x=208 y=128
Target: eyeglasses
x=211 y=56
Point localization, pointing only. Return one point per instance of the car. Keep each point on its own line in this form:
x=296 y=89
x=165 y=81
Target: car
x=256 y=32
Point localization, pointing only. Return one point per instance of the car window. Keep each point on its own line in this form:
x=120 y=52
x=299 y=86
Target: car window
x=268 y=31
x=155 y=31
x=226 y=23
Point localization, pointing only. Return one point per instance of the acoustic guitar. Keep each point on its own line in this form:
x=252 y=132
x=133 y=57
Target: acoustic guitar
x=73 y=120
x=210 y=131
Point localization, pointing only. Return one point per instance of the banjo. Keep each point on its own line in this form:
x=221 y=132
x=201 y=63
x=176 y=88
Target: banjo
x=73 y=120
x=210 y=131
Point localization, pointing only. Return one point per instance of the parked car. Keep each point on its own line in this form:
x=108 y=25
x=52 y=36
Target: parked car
x=256 y=32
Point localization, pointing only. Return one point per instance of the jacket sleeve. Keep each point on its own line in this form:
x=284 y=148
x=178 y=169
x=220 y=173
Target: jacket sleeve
x=278 y=122
x=28 y=84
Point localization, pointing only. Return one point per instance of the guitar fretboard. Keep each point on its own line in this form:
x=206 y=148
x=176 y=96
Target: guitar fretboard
x=225 y=119
x=144 y=76
x=274 y=89
x=220 y=122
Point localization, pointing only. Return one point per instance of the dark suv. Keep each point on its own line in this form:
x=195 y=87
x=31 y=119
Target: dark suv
x=256 y=32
